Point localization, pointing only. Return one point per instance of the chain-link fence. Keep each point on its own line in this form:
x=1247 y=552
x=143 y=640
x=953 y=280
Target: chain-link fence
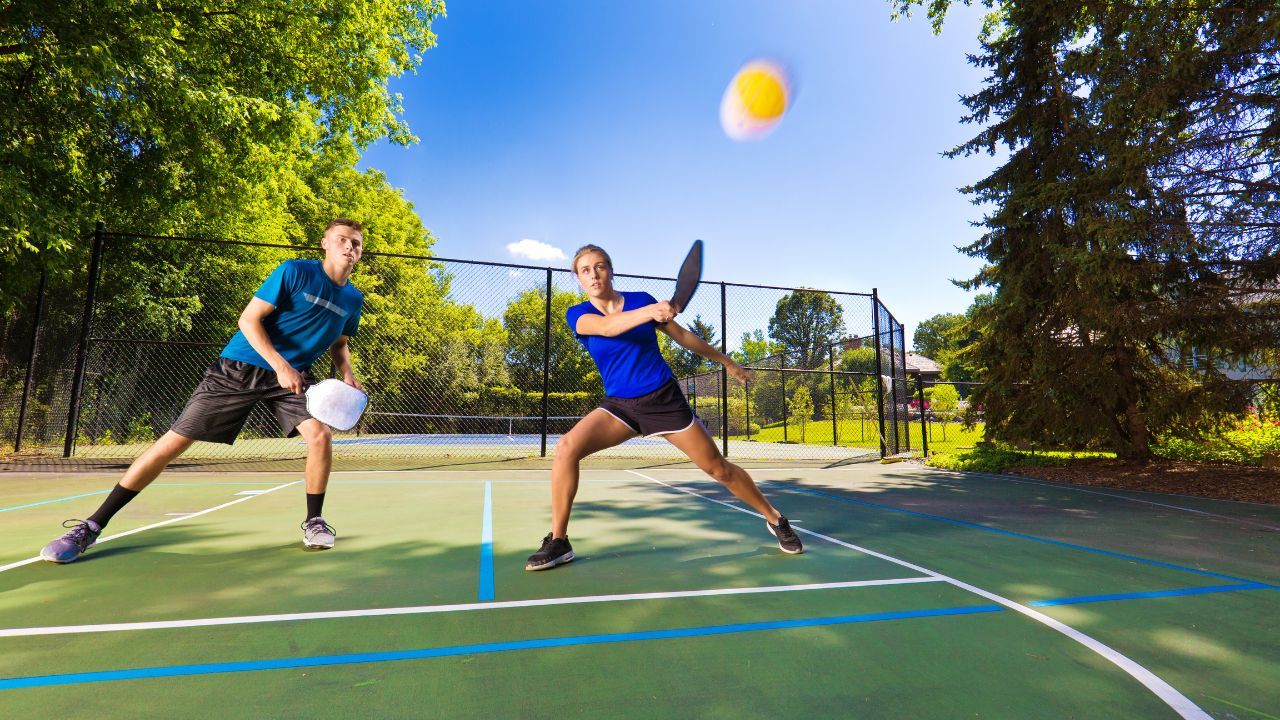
x=943 y=416
x=465 y=362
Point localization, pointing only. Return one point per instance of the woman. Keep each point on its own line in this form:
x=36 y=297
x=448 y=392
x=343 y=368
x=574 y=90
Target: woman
x=641 y=398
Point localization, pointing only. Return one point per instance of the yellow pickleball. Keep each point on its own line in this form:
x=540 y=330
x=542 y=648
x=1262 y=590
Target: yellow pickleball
x=755 y=100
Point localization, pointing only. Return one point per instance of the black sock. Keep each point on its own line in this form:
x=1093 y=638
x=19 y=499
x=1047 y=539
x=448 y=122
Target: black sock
x=315 y=501
x=118 y=498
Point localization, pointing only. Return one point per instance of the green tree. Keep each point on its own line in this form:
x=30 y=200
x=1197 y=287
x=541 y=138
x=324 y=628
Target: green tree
x=1125 y=220
x=195 y=118
x=944 y=401
x=570 y=367
x=805 y=323
x=934 y=337
x=801 y=408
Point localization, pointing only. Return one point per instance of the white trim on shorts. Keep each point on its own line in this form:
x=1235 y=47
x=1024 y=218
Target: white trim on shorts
x=693 y=422
x=624 y=422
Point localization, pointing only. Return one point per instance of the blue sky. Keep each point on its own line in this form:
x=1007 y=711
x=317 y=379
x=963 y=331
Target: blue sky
x=574 y=122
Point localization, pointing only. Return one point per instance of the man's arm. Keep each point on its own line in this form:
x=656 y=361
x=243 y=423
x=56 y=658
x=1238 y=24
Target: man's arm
x=340 y=351
x=692 y=342
x=251 y=325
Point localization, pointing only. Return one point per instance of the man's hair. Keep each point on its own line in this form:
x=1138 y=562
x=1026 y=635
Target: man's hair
x=591 y=249
x=344 y=222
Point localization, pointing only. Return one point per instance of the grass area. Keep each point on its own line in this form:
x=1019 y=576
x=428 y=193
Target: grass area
x=942 y=436
x=985 y=459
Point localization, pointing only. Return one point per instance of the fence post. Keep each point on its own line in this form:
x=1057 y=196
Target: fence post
x=893 y=386
x=875 y=320
x=831 y=364
x=924 y=419
x=724 y=373
x=32 y=351
x=782 y=370
x=746 y=395
x=546 y=364
x=86 y=324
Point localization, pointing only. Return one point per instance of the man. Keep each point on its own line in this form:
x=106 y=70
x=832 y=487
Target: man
x=302 y=309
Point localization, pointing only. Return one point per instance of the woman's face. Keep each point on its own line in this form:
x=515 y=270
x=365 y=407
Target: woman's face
x=594 y=274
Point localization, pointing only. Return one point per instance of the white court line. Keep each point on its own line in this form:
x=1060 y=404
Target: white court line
x=1163 y=690
x=461 y=607
x=959 y=474
x=37 y=558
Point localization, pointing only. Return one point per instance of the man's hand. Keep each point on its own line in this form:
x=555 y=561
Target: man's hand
x=662 y=311
x=739 y=373
x=289 y=379
x=353 y=382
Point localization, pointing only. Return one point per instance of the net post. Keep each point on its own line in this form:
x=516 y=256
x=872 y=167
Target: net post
x=82 y=353
x=32 y=351
x=875 y=321
x=546 y=363
x=724 y=373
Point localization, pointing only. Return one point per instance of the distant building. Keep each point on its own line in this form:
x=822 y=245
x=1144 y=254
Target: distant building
x=926 y=368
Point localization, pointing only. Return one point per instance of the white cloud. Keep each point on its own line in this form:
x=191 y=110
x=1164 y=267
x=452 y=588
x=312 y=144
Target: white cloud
x=536 y=250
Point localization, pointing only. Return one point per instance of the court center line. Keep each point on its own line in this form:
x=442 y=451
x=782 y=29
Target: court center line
x=162 y=523
x=477 y=649
x=958 y=474
x=1163 y=690
x=461 y=607
x=1001 y=531
x=486 y=546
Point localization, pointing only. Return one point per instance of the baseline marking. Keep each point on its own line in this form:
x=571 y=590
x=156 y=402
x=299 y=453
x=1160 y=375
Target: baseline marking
x=451 y=651
x=1163 y=690
x=162 y=523
x=462 y=607
x=1152 y=594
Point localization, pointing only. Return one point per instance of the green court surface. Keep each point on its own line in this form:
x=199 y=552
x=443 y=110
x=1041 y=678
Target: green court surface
x=922 y=594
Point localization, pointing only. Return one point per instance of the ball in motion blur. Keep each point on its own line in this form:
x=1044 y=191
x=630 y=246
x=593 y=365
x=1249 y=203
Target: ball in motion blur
x=755 y=100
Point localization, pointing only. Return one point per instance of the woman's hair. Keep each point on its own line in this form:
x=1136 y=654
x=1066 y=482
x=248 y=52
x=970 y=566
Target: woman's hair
x=591 y=249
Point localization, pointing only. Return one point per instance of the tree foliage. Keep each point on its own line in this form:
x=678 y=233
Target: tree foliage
x=211 y=118
x=1134 y=217
x=805 y=323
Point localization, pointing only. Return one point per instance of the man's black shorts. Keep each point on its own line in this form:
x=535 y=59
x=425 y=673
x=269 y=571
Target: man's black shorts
x=661 y=412
x=227 y=393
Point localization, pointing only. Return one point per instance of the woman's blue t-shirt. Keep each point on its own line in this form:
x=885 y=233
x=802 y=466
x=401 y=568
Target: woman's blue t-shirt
x=631 y=363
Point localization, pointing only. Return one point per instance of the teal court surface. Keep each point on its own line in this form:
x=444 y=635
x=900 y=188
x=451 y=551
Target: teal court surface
x=921 y=594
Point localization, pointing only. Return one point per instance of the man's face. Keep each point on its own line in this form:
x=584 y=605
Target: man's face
x=344 y=245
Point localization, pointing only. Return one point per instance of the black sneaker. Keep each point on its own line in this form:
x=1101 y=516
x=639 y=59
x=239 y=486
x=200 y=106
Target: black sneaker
x=788 y=540
x=555 y=551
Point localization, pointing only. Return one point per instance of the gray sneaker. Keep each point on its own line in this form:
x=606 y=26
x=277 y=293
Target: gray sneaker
x=318 y=534
x=83 y=534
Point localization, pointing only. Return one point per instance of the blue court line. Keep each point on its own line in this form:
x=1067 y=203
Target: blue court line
x=1153 y=594
x=104 y=492
x=455 y=650
x=46 y=502
x=1024 y=536
x=486 y=546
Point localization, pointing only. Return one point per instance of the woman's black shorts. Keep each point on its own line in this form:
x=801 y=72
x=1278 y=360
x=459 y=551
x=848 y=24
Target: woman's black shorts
x=661 y=412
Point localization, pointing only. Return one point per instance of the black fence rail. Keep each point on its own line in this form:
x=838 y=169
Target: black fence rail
x=465 y=361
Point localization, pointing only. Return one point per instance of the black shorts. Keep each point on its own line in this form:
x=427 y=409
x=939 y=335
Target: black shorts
x=661 y=412
x=228 y=392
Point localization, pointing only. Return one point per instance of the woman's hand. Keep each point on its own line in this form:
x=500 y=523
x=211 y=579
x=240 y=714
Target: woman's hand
x=662 y=311
x=738 y=372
